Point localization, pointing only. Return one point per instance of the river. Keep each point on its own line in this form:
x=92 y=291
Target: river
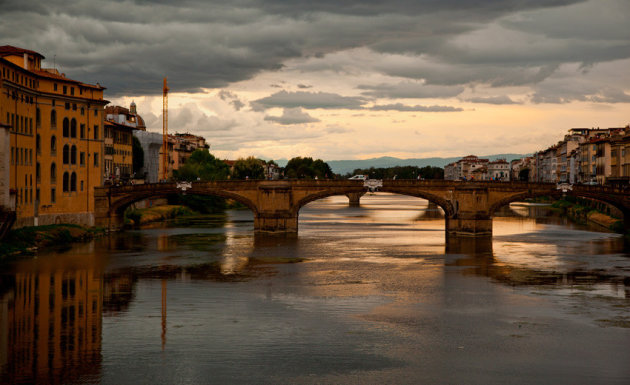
x=362 y=295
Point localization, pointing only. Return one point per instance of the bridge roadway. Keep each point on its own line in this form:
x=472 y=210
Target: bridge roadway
x=468 y=206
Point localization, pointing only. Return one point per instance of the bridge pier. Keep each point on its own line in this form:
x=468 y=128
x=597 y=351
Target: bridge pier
x=355 y=198
x=478 y=225
x=276 y=222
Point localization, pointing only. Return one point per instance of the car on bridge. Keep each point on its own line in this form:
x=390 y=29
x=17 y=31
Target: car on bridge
x=358 y=177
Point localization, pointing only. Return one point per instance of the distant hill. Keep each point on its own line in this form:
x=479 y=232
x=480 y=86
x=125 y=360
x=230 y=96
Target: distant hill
x=347 y=166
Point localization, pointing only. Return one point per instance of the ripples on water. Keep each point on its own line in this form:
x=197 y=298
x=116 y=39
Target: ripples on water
x=372 y=294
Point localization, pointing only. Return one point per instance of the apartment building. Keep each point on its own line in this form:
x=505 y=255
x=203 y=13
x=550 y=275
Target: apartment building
x=55 y=139
x=120 y=124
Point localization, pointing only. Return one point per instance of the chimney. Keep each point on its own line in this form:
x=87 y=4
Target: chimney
x=25 y=61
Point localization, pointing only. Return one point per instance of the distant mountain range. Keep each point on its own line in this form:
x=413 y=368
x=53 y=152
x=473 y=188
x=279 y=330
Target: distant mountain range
x=348 y=166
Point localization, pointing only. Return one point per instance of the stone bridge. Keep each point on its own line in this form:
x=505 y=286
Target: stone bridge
x=468 y=206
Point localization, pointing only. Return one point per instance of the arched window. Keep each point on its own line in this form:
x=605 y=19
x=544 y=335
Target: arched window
x=53 y=173
x=53 y=119
x=66 y=182
x=73 y=155
x=73 y=182
x=66 y=127
x=73 y=128
x=66 y=154
x=53 y=145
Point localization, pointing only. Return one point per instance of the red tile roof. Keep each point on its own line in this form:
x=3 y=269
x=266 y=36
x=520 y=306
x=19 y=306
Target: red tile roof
x=7 y=50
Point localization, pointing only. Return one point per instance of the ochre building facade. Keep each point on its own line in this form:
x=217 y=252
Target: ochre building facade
x=55 y=140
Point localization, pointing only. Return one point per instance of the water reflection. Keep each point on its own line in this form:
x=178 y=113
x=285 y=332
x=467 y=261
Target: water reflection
x=51 y=325
x=370 y=294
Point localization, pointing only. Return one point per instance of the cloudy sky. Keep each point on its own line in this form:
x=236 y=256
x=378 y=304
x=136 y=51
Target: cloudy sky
x=350 y=79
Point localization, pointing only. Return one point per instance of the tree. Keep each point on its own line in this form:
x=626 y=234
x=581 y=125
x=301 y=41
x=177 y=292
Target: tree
x=250 y=168
x=306 y=168
x=137 y=155
x=402 y=172
x=202 y=165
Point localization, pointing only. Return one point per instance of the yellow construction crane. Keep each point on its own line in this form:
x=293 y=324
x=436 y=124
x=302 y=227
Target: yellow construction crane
x=164 y=131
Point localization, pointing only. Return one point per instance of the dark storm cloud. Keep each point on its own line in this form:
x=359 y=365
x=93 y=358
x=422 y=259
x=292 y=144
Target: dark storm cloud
x=129 y=46
x=503 y=99
x=292 y=116
x=405 y=108
x=308 y=100
x=410 y=90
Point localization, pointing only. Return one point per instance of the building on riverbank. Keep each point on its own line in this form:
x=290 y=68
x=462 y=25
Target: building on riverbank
x=56 y=140
x=120 y=124
x=472 y=167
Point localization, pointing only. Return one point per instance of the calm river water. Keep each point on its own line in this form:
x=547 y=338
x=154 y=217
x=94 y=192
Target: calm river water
x=364 y=295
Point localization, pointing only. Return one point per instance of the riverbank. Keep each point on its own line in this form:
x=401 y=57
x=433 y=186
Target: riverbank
x=27 y=240
x=581 y=212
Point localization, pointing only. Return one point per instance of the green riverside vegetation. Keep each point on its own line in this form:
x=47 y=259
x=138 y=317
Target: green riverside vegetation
x=30 y=239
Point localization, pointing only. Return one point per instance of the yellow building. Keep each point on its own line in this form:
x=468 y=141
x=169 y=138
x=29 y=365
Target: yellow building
x=120 y=124
x=56 y=140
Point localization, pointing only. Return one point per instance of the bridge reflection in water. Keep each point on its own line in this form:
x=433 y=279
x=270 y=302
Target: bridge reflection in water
x=468 y=206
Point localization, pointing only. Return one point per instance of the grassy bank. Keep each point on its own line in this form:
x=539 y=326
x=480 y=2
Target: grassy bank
x=27 y=240
x=580 y=211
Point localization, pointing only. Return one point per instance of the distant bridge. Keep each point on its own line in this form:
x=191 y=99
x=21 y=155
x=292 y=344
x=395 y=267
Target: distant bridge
x=468 y=206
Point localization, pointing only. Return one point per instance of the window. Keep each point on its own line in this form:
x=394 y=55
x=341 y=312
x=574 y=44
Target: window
x=82 y=111
x=38 y=118
x=71 y=90
x=73 y=182
x=55 y=86
x=53 y=119
x=53 y=173
x=66 y=182
x=73 y=155
x=65 y=90
x=96 y=132
x=38 y=144
x=81 y=185
x=96 y=163
x=67 y=106
x=38 y=172
x=66 y=127
x=74 y=106
x=82 y=158
x=95 y=112
x=53 y=145
x=66 y=154
x=82 y=131
x=73 y=128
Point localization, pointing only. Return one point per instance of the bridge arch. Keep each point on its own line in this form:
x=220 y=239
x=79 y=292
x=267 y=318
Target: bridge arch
x=447 y=206
x=519 y=197
x=118 y=206
x=325 y=194
x=577 y=193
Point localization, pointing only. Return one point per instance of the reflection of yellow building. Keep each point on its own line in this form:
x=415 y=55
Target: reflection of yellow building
x=56 y=128
x=53 y=322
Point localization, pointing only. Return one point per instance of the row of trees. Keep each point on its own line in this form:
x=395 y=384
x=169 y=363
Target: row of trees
x=204 y=166
x=402 y=172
